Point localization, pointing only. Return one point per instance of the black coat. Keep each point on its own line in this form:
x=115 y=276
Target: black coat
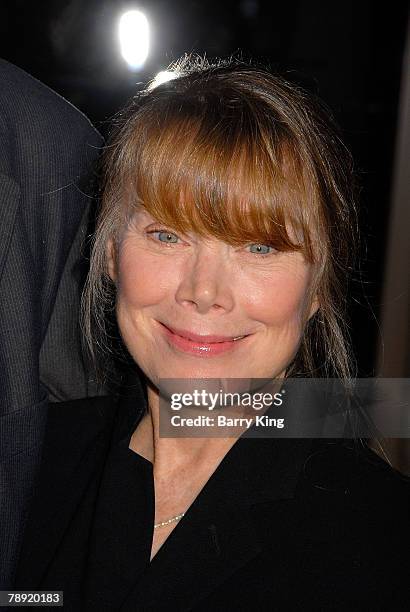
x=46 y=152
x=288 y=524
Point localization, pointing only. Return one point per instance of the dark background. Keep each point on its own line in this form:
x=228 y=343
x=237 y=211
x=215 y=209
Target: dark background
x=349 y=53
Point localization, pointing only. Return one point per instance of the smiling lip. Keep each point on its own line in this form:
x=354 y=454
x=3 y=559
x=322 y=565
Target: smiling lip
x=204 y=345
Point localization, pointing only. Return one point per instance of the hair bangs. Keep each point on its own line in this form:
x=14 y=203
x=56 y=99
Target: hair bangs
x=225 y=179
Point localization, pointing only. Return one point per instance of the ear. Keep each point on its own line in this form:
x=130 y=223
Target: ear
x=111 y=260
x=314 y=307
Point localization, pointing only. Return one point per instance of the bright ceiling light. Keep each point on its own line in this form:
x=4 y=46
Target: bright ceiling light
x=133 y=31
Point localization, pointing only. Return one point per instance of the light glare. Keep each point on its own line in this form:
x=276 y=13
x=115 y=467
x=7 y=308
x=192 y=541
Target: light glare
x=163 y=77
x=133 y=33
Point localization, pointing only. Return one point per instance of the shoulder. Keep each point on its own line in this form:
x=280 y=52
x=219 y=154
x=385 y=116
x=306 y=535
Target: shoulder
x=345 y=463
x=350 y=522
x=29 y=106
x=349 y=479
x=75 y=425
x=89 y=412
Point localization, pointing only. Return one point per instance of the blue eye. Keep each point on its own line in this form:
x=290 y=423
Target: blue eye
x=261 y=249
x=166 y=237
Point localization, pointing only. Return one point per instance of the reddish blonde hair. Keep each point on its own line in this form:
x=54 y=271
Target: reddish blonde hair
x=234 y=152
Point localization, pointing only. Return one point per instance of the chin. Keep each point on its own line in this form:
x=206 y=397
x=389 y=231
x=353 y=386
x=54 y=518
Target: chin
x=200 y=372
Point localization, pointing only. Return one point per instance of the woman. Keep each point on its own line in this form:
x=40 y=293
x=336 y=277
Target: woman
x=223 y=245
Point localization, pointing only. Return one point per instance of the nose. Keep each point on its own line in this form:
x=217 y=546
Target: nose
x=206 y=281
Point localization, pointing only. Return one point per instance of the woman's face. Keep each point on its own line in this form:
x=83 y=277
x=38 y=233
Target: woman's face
x=194 y=308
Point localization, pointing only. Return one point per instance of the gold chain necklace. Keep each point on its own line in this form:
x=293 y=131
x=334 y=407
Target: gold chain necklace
x=173 y=519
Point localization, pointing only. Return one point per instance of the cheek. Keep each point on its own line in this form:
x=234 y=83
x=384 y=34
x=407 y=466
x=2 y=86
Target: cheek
x=280 y=300
x=142 y=281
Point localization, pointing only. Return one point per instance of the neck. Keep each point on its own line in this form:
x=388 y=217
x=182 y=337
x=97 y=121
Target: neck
x=168 y=454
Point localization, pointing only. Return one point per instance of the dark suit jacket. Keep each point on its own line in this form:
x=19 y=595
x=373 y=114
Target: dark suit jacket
x=46 y=151
x=288 y=524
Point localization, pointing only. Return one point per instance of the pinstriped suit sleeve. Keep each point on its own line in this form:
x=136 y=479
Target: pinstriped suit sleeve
x=47 y=152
